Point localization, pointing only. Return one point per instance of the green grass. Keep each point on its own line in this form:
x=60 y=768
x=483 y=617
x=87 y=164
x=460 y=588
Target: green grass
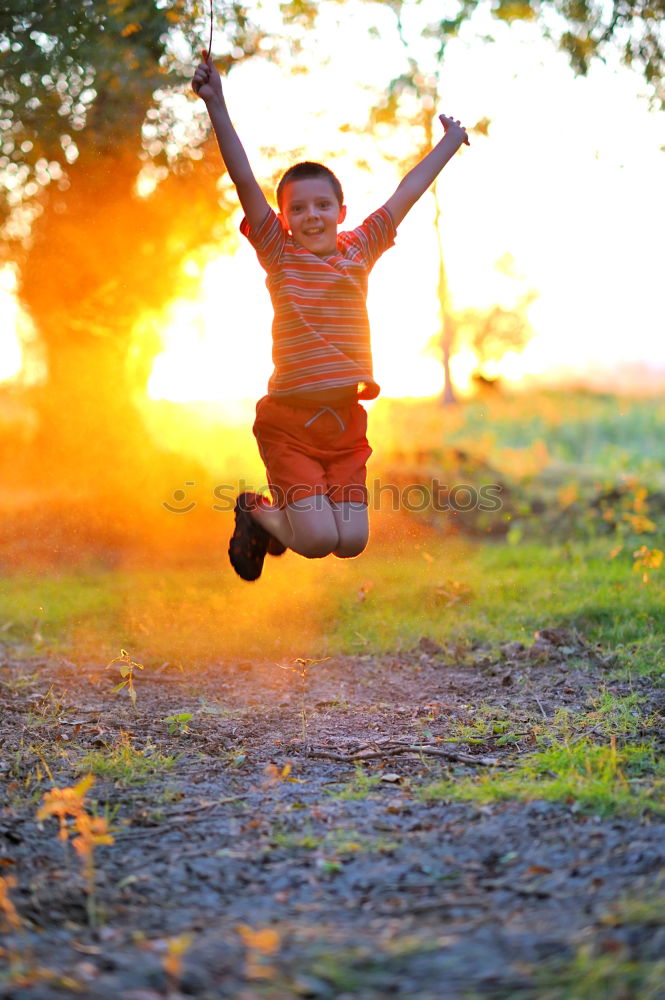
x=358 y=787
x=599 y=779
x=50 y=607
x=335 y=846
x=580 y=429
x=611 y=977
x=310 y=608
x=514 y=591
x=125 y=763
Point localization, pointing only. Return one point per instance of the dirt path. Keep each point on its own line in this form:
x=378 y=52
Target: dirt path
x=300 y=876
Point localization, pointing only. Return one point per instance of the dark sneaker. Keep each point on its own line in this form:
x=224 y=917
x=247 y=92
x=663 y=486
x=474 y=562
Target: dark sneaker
x=249 y=541
x=275 y=547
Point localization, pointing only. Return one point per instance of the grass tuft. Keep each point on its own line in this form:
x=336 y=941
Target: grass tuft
x=125 y=763
x=598 y=779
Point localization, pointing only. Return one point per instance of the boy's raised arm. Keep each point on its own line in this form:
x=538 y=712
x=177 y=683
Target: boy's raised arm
x=416 y=182
x=207 y=84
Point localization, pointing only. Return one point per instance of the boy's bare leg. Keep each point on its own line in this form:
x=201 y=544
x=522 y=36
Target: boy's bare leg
x=352 y=520
x=307 y=526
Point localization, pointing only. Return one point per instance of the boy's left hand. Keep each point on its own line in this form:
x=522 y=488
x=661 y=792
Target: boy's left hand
x=451 y=126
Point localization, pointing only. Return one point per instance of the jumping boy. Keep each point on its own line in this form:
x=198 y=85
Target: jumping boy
x=311 y=427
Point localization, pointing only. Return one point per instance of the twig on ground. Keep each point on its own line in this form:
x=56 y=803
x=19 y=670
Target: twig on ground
x=540 y=706
x=396 y=750
x=177 y=818
x=433 y=904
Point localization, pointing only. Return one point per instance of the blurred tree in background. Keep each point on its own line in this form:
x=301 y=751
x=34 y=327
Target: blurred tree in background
x=94 y=100
x=585 y=30
x=492 y=333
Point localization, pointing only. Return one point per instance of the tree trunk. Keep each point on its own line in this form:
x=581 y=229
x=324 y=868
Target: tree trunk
x=447 y=340
x=447 y=322
x=100 y=257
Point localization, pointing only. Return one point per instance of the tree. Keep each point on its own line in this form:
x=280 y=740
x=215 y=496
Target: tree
x=87 y=94
x=422 y=87
x=492 y=333
x=584 y=30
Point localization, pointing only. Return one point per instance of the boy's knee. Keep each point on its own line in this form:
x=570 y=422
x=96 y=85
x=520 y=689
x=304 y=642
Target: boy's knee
x=317 y=544
x=351 y=545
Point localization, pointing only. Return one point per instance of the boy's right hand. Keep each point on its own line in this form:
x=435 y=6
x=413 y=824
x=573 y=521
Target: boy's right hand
x=206 y=81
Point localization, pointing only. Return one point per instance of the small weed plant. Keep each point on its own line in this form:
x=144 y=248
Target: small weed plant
x=127 y=668
x=176 y=949
x=359 y=787
x=69 y=807
x=178 y=723
x=260 y=946
x=11 y=923
x=301 y=668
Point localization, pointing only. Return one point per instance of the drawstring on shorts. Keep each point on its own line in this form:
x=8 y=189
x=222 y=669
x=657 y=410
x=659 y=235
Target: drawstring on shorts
x=326 y=409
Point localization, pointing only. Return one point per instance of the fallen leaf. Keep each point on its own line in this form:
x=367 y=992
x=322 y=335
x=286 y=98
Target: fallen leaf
x=429 y=646
x=265 y=940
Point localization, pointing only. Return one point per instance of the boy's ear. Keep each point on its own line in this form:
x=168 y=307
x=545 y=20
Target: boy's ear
x=342 y=214
x=283 y=222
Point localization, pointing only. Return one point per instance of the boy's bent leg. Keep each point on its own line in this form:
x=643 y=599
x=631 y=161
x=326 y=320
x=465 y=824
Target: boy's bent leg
x=273 y=519
x=352 y=520
x=308 y=526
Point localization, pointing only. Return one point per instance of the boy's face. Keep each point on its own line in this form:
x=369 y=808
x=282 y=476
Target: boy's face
x=312 y=213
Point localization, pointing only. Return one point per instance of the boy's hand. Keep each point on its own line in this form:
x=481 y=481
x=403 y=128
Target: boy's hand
x=206 y=81
x=452 y=127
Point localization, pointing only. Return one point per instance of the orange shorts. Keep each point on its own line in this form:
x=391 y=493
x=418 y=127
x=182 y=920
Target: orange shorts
x=311 y=449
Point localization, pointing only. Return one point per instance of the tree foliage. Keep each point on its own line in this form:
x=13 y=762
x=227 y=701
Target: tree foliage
x=68 y=71
x=585 y=30
x=82 y=78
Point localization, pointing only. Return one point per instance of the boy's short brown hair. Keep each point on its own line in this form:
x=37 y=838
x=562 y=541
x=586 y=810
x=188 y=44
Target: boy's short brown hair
x=305 y=170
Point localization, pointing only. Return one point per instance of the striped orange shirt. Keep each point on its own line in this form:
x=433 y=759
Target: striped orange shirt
x=320 y=332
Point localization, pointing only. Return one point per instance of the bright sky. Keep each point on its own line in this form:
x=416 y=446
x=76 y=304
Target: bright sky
x=569 y=182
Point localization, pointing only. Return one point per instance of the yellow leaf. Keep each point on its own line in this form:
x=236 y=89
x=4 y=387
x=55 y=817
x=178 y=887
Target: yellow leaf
x=640 y=524
x=130 y=29
x=265 y=941
x=514 y=10
x=84 y=784
x=6 y=906
x=568 y=495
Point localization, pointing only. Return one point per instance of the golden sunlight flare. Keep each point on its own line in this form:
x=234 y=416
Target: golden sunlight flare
x=217 y=347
